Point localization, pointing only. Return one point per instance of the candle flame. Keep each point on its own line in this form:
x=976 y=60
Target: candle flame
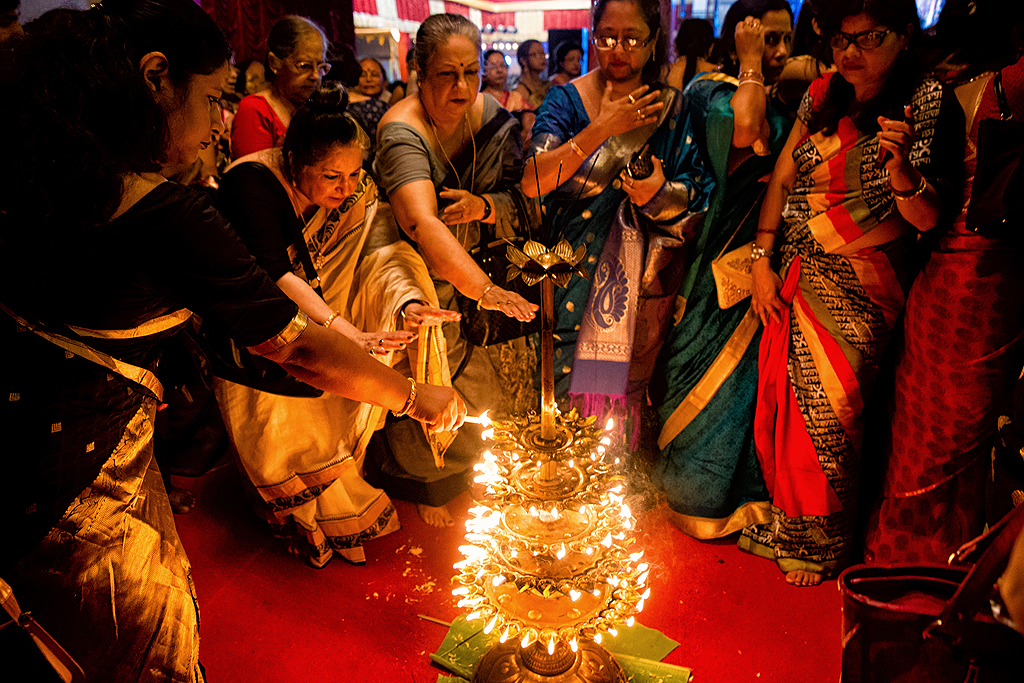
x=551 y=646
x=491 y=624
x=573 y=645
x=610 y=424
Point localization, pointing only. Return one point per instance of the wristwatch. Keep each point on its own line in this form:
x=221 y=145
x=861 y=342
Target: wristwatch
x=759 y=252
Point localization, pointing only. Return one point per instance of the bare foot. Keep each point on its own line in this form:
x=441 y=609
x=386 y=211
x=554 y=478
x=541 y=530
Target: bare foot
x=799 y=577
x=182 y=501
x=438 y=516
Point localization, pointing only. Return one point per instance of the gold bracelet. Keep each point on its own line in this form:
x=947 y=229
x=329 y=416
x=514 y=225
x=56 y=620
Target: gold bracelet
x=751 y=80
x=909 y=194
x=483 y=294
x=409 y=401
x=751 y=73
x=577 y=149
x=330 y=319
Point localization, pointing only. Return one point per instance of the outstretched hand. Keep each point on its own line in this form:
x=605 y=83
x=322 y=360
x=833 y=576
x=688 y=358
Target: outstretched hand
x=440 y=408
x=509 y=303
x=417 y=314
x=380 y=343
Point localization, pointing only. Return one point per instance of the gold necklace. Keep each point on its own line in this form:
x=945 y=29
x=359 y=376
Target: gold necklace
x=472 y=178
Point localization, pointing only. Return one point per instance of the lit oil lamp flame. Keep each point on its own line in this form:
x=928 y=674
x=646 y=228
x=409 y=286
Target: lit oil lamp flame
x=551 y=646
x=573 y=645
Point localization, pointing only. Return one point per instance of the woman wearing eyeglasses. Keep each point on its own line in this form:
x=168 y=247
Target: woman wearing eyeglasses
x=706 y=385
x=863 y=169
x=296 y=58
x=635 y=226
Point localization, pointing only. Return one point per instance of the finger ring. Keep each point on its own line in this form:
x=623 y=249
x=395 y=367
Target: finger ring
x=381 y=342
x=639 y=116
x=632 y=100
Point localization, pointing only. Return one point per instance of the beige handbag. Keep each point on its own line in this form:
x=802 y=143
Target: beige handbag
x=731 y=270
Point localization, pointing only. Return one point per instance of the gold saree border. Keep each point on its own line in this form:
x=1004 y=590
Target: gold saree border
x=140 y=376
x=720 y=369
x=785 y=564
x=707 y=528
x=150 y=327
x=286 y=336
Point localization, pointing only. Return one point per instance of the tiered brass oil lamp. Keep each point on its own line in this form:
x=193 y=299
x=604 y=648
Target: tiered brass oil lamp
x=547 y=561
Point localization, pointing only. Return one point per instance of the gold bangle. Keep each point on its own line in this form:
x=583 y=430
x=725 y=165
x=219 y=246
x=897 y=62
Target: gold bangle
x=483 y=294
x=330 y=319
x=409 y=401
x=577 y=149
x=751 y=80
x=910 y=194
x=751 y=73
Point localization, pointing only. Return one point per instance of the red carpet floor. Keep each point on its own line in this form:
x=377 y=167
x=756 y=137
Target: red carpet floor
x=267 y=617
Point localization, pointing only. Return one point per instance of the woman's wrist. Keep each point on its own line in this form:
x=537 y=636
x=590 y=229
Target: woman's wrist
x=409 y=401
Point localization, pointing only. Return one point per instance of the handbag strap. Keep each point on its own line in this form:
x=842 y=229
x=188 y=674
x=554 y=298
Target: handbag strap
x=956 y=618
x=64 y=665
x=740 y=224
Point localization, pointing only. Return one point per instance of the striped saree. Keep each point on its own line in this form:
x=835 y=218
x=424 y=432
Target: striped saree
x=844 y=271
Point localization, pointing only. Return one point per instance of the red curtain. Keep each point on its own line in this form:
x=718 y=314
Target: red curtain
x=456 y=8
x=247 y=23
x=566 y=18
x=496 y=19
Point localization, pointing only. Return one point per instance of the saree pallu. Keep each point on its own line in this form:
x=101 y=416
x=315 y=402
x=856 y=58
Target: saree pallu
x=843 y=252
x=304 y=456
x=706 y=378
x=609 y=330
x=962 y=348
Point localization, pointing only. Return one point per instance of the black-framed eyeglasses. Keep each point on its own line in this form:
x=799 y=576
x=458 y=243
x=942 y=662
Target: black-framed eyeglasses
x=323 y=68
x=628 y=43
x=865 y=40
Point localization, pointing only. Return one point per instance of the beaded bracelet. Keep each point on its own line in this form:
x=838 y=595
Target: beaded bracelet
x=409 y=401
x=909 y=194
x=330 y=319
x=577 y=149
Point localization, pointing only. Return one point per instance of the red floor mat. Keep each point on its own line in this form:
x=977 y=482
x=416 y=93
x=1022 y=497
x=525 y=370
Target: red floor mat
x=266 y=616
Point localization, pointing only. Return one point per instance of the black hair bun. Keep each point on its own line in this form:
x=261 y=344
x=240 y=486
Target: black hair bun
x=330 y=98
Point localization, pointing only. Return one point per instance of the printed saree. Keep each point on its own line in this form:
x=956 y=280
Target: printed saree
x=304 y=457
x=706 y=379
x=844 y=271
x=609 y=329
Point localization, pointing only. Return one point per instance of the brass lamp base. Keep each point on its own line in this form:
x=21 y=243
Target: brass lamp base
x=510 y=663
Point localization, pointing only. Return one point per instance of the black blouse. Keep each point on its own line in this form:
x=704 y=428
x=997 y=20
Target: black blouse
x=61 y=415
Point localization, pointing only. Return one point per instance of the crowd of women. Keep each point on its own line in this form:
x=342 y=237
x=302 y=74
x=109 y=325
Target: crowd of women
x=788 y=291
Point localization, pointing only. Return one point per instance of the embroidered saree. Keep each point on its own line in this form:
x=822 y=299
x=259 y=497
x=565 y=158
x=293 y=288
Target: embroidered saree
x=609 y=329
x=305 y=456
x=706 y=379
x=844 y=249
x=498 y=378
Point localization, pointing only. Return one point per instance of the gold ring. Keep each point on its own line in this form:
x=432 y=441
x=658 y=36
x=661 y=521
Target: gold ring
x=508 y=303
x=381 y=342
x=639 y=116
x=632 y=100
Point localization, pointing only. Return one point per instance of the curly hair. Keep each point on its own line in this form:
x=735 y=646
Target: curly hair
x=70 y=169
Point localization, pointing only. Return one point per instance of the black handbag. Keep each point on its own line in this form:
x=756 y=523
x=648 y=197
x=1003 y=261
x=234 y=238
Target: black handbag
x=481 y=327
x=997 y=194
x=931 y=623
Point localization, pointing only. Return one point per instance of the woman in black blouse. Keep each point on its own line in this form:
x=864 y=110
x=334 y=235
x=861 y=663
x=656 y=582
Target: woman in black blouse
x=311 y=202
x=101 y=261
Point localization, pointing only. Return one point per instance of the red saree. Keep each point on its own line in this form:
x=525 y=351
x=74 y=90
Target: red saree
x=963 y=346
